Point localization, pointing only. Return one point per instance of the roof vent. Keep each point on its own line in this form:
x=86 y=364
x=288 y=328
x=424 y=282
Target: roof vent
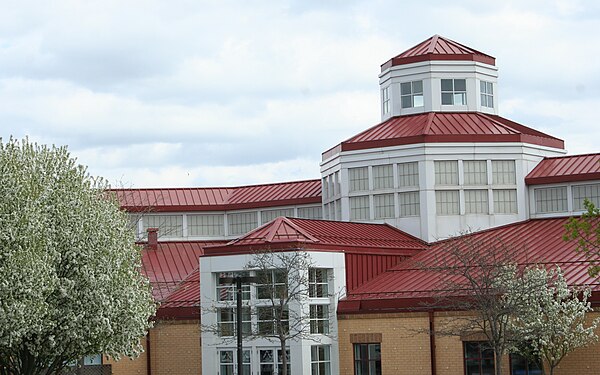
x=152 y=238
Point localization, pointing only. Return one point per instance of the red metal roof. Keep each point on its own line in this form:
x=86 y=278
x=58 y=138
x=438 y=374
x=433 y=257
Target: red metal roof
x=220 y=198
x=438 y=48
x=284 y=233
x=442 y=127
x=406 y=286
x=170 y=264
x=565 y=169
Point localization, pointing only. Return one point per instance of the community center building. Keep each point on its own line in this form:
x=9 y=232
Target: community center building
x=442 y=162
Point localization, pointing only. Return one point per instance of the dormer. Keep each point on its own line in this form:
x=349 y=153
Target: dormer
x=438 y=75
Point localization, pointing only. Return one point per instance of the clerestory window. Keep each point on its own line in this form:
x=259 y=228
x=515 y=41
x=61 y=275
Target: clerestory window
x=454 y=92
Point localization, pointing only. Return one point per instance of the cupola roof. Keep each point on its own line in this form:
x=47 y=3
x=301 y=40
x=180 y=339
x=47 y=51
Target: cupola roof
x=438 y=48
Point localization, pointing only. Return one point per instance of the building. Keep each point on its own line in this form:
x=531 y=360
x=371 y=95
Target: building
x=441 y=162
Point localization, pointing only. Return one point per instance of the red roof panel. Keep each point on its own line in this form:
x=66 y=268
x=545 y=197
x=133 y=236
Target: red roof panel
x=323 y=235
x=170 y=264
x=537 y=241
x=438 y=48
x=565 y=169
x=220 y=198
x=443 y=127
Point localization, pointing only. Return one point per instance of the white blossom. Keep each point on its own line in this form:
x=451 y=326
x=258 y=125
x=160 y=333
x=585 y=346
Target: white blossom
x=70 y=281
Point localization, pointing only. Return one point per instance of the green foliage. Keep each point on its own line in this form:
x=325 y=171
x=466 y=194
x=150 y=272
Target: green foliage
x=586 y=231
x=70 y=281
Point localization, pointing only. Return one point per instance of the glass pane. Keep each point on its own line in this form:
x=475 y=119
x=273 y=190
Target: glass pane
x=406 y=101
x=374 y=351
x=460 y=99
x=226 y=356
x=447 y=99
x=417 y=87
x=471 y=350
x=418 y=99
x=472 y=367
x=405 y=88
x=460 y=85
x=446 y=85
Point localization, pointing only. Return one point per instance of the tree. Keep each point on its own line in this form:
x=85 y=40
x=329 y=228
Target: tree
x=70 y=280
x=469 y=268
x=550 y=316
x=586 y=231
x=284 y=281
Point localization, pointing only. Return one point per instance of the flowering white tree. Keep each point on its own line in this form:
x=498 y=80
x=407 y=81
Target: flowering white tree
x=550 y=318
x=70 y=281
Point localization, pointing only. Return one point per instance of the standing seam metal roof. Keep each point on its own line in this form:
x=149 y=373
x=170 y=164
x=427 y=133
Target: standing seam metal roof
x=564 y=169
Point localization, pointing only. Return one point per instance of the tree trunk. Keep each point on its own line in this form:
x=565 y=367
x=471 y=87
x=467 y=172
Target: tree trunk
x=498 y=363
x=283 y=358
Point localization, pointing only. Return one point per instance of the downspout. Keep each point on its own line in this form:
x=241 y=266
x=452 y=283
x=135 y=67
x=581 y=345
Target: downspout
x=148 y=359
x=432 y=343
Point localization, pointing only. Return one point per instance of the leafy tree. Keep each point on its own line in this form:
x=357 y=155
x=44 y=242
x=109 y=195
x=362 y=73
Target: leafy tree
x=586 y=231
x=470 y=268
x=70 y=281
x=549 y=317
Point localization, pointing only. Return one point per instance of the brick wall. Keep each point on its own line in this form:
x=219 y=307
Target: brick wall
x=405 y=346
x=174 y=349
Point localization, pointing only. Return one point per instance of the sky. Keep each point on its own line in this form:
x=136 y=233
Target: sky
x=228 y=93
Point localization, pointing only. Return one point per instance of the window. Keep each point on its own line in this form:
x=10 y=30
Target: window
x=92 y=360
x=242 y=222
x=319 y=319
x=320 y=358
x=367 y=359
x=227 y=362
x=325 y=187
x=454 y=92
x=505 y=201
x=408 y=174
x=271 y=319
x=475 y=172
x=359 y=178
x=476 y=202
x=206 y=225
x=384 y=206
x=479 y=358
x=446 y=172
x=409 y=203
x=227 y=318
x=359 y=208
x=503 y=172
x=385 y=100
x=318 y=283
x=269 y=215
x=383 y=177
x=168 y=225
x=226 y=288
x=551 y=199
x=271 y=284
x=337 y=187
x=581 y=192
x=447 y=202
x=411 y=94
x=310 y=212
x=487 y=94
x=338 y=209
x=519 y=365
x=268 y=361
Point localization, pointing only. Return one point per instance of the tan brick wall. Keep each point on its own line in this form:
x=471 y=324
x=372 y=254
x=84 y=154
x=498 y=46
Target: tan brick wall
x=405 y=346
x=174 y=349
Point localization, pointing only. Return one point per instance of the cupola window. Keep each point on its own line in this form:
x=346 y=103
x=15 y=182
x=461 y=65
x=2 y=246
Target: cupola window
x=411 y=94
x=385 y=99
x=487 y=94
x=454 y=92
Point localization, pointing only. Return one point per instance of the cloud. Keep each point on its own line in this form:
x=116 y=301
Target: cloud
x=184 y=92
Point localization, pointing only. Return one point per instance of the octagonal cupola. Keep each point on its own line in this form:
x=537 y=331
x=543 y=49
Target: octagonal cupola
x=438 y=75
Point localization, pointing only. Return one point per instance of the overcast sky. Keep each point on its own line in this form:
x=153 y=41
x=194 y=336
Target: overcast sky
x=218 y=93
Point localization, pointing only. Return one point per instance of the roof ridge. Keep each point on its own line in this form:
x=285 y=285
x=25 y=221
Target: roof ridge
x=434 y=41
x=281 y=220
x=571 y=156
x=221 y=187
